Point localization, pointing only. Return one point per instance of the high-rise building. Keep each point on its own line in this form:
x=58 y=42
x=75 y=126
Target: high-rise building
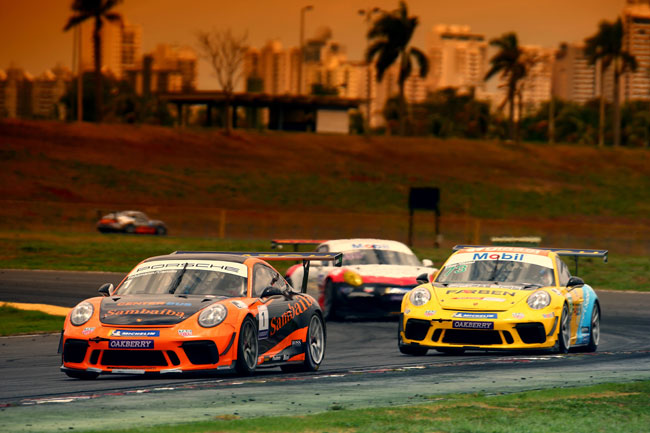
x=574 y=79
x=458 y=58
x=47 y=90
x=15 y=93
x=636 y=22
x=166 y=69
x=121 y=47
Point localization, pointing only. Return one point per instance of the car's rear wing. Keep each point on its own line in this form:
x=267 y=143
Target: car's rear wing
x=567 y=252
x=278 y=244
x=337 y=258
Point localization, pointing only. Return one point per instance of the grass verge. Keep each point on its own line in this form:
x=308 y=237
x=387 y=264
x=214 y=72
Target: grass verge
x=609 y=408
x=14 y=321
x=72 y=251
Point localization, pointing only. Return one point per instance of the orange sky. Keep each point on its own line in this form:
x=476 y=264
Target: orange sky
x=32 y=36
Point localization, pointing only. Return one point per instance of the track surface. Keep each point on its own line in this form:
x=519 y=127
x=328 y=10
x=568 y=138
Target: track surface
x=362 y=368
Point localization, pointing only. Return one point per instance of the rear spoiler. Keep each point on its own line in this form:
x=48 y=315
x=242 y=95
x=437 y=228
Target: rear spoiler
x=337 y=258
x=278 y=244
x=569 y=252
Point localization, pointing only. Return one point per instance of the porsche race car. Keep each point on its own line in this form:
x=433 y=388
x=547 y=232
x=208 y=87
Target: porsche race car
x=132 y=222
x=197 y=312
x=512 y=298
x=372 y=281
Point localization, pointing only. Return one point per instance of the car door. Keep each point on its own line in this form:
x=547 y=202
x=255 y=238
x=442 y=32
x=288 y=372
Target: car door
x=273 y=311
x=575 y=297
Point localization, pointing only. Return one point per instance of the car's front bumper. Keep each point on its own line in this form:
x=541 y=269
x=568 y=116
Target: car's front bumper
x=369 y=299
x=479 y=330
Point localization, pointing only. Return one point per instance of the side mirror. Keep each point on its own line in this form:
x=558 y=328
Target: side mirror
x=271 y=291
x=575 y=281
x=422 y=278
x=427 y=263
x=106 y=289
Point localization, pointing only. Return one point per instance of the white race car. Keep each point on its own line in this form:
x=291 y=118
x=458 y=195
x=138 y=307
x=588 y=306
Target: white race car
x=374 y=276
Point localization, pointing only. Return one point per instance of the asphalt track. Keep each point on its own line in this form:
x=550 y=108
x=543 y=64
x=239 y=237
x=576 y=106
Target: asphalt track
x=362 y=368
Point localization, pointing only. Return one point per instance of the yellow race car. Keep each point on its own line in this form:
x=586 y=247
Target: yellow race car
x=502 y=298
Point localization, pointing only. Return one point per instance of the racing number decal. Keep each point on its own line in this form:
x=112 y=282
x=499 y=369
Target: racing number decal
x=262 y=322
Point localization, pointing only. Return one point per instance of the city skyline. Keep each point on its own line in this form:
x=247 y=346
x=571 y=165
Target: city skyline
x=37 y=41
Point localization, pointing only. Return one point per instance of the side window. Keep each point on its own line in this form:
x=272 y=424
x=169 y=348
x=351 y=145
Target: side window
x=264 y=277
x=563 y=272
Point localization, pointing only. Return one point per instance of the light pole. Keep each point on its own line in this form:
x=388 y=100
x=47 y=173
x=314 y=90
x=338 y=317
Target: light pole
x=302 y=44
x=367 y=13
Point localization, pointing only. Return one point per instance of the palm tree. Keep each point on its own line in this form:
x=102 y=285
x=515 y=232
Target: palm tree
x=510 y=61
x=99 y=11
x=606 y=46
x=390 y=35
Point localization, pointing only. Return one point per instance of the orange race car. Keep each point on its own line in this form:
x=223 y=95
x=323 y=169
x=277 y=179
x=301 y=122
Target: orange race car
x=197 y=312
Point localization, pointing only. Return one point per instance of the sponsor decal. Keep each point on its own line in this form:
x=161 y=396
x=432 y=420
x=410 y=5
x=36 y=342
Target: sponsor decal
x=370 y=246
x=262 y=322
x=517 y=315
x=296 y=343
x=585 y=329
x=578 y=309
x=130 y=344
x=185 y=332
x=461 y=315
x=87 y=331
x=479 y=298
x=429 y=313
x=133 y=333
x=548 y=315
x=295 y=310
x=238 y=304
x=277 y=358
x=468 y=324
x=145 y=311
x=407 y=311
x=480 y=292
x=498 y=256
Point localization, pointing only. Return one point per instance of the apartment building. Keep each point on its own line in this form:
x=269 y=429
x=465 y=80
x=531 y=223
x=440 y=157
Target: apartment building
x=574 y=79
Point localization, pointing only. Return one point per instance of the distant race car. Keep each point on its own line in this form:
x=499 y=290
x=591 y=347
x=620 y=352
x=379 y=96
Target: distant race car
x=374 y=277
x=512 y=298
x=197 y=312
x=130 y=221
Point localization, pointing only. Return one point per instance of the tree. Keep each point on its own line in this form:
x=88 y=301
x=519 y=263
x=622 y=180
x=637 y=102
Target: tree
x=99 y=11
x=225 y=52
x=509 y=61
x=390 y=35
x=606 y=46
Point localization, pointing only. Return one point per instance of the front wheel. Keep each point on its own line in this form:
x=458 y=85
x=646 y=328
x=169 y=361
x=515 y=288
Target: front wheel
x=247 y=348
x=564 y=333
x=408 y=349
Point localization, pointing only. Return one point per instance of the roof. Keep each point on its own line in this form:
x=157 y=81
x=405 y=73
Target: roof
x=366 y=243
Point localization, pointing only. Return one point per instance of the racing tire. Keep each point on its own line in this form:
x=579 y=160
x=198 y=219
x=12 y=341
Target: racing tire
x=161 y=231
x=451 y=351
x=315 y=347
x=247 y=348
x=129 y=228
x=594 y=333
x=329 y=303
x=563 y=342
x=408 y=349
x=83 y=375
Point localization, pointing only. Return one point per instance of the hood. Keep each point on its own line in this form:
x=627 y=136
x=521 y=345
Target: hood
x=491 y=297
x=390 y=274
x=148 y=310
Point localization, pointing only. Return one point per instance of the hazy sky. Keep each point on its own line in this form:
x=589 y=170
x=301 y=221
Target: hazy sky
x=31 y=30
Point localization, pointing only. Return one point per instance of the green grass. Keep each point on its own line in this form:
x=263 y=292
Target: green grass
x=14 y=321
x=120 y=253
x=608 y=408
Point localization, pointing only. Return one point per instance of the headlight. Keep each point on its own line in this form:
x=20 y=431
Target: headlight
x=81 y=313
x=419 y=296
x=212 y=315
x=352 y=278
x=539 y=300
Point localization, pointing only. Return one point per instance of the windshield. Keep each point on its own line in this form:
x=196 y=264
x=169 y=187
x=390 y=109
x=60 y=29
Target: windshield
x=501 y=271
x=379 y=257
x=183 y=278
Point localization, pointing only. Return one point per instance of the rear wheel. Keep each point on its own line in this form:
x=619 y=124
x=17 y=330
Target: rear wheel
x=594 y=333
x=83 y=375
x=329 y=302
x=564 y=333
x=315 y=350
x=129 y=228
x=161 y=231
x=247 y=348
